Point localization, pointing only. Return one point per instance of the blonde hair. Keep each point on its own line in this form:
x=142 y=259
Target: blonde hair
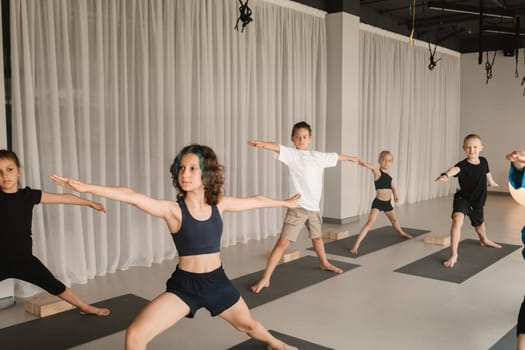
x=471 y=136
x=382 y=154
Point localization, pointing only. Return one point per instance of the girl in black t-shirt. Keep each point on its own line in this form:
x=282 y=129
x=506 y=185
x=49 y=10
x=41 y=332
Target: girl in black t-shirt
x=16 y=214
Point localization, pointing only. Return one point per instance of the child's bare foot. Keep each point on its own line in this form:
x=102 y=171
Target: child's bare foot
x=451 y=261
x=330 y=267
x=489 y=243
x=256 y=288
x=406 y=235
x=91 y=310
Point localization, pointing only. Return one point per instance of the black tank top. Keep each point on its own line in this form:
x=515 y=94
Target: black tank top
x=198 y=237
x=384 y=181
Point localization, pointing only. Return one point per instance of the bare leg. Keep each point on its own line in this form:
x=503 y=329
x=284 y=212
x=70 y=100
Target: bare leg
x=162 y=313
x=273 y=261
x=455 y=233
x=482 y=234
x=521 y=341
x=395 y=224
x=73 y=299
x=319 y=249
x=240 y=318
x=364 y=231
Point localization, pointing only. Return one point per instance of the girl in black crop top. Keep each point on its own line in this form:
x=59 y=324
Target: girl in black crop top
x=385 y=188
x=198 y=178
x=16 y=247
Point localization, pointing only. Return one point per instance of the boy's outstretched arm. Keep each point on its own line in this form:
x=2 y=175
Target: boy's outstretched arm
x=443 y=177
x=68 y=198
x=490 y=181
x=354 y=159
x=271 y=146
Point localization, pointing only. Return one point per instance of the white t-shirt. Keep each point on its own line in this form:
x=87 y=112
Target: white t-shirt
x=306 y=173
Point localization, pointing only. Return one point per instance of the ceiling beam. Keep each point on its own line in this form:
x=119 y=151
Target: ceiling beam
x=472 y=10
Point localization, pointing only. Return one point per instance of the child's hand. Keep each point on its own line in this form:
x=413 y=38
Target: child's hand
x=512 y=156
x=396 y=199
x=255 y=143
x=71 y=184
x=442 y=178
x=98 y=206
x=292 y=201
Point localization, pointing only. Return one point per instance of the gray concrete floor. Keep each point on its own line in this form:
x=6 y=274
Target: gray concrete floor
x=370 y=307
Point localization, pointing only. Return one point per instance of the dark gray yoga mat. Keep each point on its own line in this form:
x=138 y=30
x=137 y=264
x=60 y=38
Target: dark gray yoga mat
x=286 y=279
x=375 y=240
x=473 y=258
x=70 y=328
x=508 y=342
x=252 y=344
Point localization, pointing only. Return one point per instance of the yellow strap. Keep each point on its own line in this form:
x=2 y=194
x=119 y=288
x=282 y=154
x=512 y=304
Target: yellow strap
x=411 y=38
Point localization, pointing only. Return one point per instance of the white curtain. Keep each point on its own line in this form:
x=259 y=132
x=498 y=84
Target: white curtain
x=109 y=90
x=410 y=110
x=3 y=126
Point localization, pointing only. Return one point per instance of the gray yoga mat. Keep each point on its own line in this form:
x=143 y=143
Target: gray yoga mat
x=252 y=344
x=375 y=240
x=507 y=342
x=286 y=279
x=473 y=258
x=70 y=328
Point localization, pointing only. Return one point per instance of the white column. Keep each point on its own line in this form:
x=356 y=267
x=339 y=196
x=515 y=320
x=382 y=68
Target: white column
x=340 y=202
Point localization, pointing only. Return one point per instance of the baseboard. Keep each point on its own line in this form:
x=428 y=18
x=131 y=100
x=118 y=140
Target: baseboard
x=499 y=193
x=340 y=221
x=7 y=302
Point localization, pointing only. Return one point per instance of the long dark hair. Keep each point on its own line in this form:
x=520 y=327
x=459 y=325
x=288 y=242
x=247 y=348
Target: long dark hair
x=212 y=172
x=6 y=154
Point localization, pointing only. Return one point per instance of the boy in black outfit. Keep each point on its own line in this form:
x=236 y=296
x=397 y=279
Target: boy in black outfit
x=474 y=177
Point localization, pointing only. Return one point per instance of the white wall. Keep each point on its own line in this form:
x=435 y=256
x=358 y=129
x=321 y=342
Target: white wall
x=495 y=111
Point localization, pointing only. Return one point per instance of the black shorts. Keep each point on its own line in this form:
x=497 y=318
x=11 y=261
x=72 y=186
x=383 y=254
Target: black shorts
x=521 y=319
x=382 y=205
x=212 y=290
x=30 y=269
x=475 y=215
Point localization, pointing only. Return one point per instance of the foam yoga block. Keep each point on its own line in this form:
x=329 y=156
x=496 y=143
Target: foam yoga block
x=437 y=239
x=289 y=255
x=335 y=234
x=43 y=304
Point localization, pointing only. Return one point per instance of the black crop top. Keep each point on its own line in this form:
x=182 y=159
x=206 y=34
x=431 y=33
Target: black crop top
x=384 y=181
x=198 y=237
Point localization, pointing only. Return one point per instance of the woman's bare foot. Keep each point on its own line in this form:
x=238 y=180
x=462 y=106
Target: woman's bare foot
x=330 y=267
x=256 y=288
x=91 y=310
x=489 y=243
x=451 y=261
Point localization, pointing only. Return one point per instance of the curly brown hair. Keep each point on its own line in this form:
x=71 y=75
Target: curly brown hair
x=212 y=172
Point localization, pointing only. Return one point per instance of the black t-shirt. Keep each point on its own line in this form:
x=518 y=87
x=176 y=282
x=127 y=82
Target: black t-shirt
x=16 y=216
x=473 y=181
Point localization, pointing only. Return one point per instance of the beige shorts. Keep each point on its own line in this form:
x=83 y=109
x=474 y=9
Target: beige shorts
x=296 y=219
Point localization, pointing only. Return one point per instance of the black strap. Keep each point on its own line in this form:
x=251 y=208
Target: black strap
x=245 y=15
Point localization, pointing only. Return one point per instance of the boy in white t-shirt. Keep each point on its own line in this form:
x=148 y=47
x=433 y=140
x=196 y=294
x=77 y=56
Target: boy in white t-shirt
x=306 y=178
